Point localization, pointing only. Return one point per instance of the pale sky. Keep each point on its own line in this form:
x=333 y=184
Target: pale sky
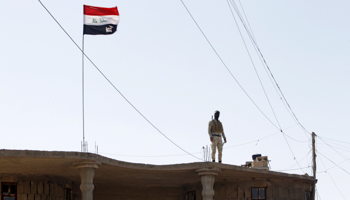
x=160 y=61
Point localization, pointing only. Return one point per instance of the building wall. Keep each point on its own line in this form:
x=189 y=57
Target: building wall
x=40 y=188
x=54 y=188
x=136 y=193
x=241 y=190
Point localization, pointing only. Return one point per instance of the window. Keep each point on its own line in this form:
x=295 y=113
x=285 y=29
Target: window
x=258 y=193
x=8 y=191
x=308 y=195
x=68 y=194
x=191 y=195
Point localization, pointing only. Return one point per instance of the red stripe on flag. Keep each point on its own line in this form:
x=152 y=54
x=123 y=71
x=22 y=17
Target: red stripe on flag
x=91 y=10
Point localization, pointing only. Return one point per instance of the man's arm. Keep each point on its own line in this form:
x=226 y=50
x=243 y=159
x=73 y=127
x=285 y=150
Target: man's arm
x=223 y=134
x=209 y=131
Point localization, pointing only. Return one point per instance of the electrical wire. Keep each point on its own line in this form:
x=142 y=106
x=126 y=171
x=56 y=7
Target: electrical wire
x=335 y=150
x=333 y=166
x=256 y=72
x=251 y=36
x=250 y=28
x=242 y=144
x=332 y=179
x=253 y=41
x=336 y=147
x=116 y=87
x=224 y=64
x=292 y=169
x=300 y=160
x=317 y=193
x=296 y=139
x=335 y=140
x=240 y=84
x=333 y=162
x=254 y=141
x=291 y=151
x=143 y=156
x=339 y=145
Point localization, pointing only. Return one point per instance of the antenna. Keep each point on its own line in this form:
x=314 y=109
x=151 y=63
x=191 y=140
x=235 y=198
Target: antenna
x=206 y=154
x=84 y=146
x=96 y=148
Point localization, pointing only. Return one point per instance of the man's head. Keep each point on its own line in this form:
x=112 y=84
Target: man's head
x=217 y=114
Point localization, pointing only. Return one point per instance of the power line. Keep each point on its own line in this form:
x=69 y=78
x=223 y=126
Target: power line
x=336 y=140
x=292 y=151
x=217 y=54
x=145 y=156
x=254 y=141
x=154 y=156
x=250 y=28
x=335 y=150
x=256 y=72
x=337 y=165
x=115 y=86
x=296 y=139
x=293 y=169
x=242 y=144
x=336 y=147
x=332 y=179
x=300 y=159
x=343 y=145
x=318 y=195
x=238 y=82
x=333 y=162
x=265 y=64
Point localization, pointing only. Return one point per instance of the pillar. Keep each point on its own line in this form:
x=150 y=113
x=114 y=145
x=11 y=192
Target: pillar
x=87 y=172
x=208 y=179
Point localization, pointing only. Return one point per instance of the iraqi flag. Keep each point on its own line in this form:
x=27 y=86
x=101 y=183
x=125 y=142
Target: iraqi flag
x=100 y=21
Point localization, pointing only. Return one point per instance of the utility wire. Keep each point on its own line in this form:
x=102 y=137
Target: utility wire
x=242 y=144
x=115 y=86
x=296 y=139
x=337 y=165
x=292 y=151
x=293 y=169
x=333 y=162
x=250 y=28
x=335 y=140
x=217 y=54
x=332 y=179
x=254 y=42
x=238 y=82
x=318 y=195
x=266 y=65
x=145 y=156
x=337 y=147
x=300 y=160
x=335 y=150
x=256 y=72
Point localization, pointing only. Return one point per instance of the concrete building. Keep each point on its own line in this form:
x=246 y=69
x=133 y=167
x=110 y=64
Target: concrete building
x=46 y=175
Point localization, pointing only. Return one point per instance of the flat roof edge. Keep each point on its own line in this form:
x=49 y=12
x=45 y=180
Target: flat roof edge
x=84 y=156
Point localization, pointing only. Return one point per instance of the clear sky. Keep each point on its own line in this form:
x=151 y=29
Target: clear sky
x=160 y=61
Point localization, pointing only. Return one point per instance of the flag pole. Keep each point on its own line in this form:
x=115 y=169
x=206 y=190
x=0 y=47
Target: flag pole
x=83 y=97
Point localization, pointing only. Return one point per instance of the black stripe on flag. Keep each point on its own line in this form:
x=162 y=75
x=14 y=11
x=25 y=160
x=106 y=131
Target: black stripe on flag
x=100 y=30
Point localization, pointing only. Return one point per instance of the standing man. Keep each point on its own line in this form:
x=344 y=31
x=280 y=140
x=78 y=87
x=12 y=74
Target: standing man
x=215 y=131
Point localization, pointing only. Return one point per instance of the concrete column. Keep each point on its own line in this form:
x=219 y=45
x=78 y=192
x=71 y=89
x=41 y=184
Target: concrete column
x=208 y=179
x=87 y=172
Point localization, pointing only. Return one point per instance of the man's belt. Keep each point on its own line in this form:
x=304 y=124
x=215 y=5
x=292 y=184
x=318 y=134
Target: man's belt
x=215 y=135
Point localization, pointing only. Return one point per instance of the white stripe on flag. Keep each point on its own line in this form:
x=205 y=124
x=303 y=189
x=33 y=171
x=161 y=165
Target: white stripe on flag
x=101 y=20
